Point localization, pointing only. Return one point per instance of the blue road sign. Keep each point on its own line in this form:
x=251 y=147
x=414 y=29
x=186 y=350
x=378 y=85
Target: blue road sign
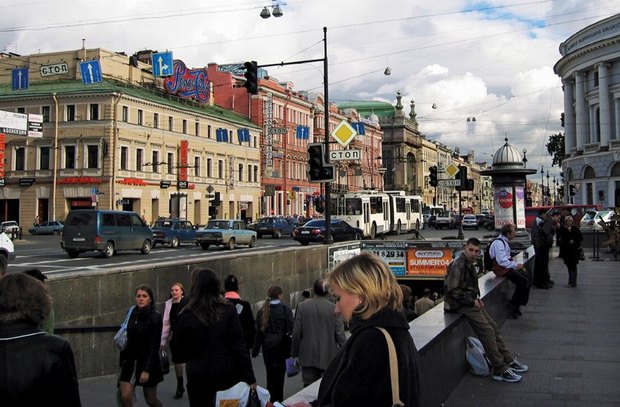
x=162 y=64
x=91 y=72
x=20 y=78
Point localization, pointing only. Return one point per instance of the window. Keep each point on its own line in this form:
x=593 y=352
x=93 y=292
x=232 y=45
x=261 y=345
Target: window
x=209 y=131
x=240 y=172
x=21 y=110
x=45 y=111
x=93 y=111
x=170 y=163
x=220 y=169
x=20 y=158
x=197 y=166
x=156 y=120
x=197 y=128
x=124 y=157
x=249 y=173
x=184 y=126
x=170 y=123
x=155 y=162
x=139 y=159
x=70 y=157
x=209 y=165
x=44 y=158
x=256 y=173
x=70 y=113
x=92 y=159
x=125 y=117
x=140 y=117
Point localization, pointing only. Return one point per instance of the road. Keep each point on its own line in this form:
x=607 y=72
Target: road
x=44 y=252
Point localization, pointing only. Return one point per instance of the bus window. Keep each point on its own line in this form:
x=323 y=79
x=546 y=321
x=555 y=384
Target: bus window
x=376 y=204
x=354 y=206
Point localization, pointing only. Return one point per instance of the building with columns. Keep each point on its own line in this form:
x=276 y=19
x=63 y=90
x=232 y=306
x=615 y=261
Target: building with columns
x=590 y=72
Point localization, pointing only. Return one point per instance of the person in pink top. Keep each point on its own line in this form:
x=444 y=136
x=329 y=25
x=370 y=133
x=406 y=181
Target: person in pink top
x=172 y=307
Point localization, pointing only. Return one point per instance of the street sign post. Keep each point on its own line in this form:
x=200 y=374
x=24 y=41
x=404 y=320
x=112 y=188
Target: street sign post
x=449 y=182
x=91 y=72
x=20 y=78
x=343 y=133
x=164 y=184
x=278 y=130
x=342 y=155
x=162 y=64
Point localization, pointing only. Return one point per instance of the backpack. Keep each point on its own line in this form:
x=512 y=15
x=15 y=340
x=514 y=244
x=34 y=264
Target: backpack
x=487 y=261
x=477 y=360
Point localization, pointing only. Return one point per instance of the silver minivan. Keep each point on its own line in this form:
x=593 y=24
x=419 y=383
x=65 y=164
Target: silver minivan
x=105 y=231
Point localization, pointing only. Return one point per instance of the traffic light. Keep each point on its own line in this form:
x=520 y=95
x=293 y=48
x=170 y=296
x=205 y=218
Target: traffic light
x=571 y=190
x=251 y=77
x=433 y=176
x=462 y=175
x=318 y=169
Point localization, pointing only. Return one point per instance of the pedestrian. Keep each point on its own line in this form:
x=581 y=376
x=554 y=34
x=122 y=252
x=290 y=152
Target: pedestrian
x=244 y=310
x=48 y=323
x=274 y=326
x=172 y=307
x=462 y=295
x=36 y=368
x=570 y=240
x=542 y=239
x=140 y=361
x=318 y=333
x=425 y=303
x=209 y=340
x=505 y=266
x=368 y=297
x=410 y=314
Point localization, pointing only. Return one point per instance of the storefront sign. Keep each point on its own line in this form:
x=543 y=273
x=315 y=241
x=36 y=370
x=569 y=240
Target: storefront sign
x=188 y=83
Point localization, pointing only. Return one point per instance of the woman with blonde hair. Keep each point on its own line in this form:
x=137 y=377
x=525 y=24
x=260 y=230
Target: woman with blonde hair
x=274 y=327
x=368 y=297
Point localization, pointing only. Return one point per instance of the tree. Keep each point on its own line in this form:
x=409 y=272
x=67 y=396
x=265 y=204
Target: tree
x=555 y=147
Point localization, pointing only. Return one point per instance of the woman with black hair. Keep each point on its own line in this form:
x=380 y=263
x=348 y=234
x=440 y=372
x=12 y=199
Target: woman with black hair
x=209 y=340
x=274 y=327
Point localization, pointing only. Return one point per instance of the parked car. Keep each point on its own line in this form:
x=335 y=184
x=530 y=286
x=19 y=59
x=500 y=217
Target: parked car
x=274 y=226
x=7 y=250
x=489 y=222
x=314 y=231
x=470 y=221
x=226 y=232
x=173 y=232
x=105 y=231
x=446 y=220
x=50 y=227
x=590 y=220
x=9 y=227
x=481 y=218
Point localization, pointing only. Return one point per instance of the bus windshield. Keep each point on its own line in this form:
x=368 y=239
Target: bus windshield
x=353 y=206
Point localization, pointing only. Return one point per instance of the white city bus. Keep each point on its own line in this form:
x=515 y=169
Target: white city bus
x=379 y=213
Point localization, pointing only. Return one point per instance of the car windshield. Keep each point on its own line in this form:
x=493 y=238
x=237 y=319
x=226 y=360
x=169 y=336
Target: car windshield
x=163 y=224
x=602 y=214
x=588 y=216
x=217 y=224
x=315 y=223
x=267 y=221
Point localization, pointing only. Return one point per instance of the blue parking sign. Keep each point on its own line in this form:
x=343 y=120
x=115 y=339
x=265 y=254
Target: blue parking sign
x=91 y=72
x=20 y=78
x=162 y=64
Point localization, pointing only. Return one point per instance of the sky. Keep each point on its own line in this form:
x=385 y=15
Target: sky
x=457 y=59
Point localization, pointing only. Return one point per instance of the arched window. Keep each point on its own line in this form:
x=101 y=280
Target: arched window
x=569 y=174
x=588 y=173
x=615 y=170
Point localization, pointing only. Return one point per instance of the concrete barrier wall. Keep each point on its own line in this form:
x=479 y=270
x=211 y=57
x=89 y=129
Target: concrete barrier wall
x=101 y=298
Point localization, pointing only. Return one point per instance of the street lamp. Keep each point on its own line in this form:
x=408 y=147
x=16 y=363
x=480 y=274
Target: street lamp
x=542 y=186
x=276 y=10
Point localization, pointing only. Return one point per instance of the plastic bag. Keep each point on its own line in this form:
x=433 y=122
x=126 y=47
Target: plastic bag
x=292 y=367
x=120 y=339
x=235 y=396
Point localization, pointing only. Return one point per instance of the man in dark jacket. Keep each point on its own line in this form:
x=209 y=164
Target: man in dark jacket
x=463 y=296
x=244 y=310
x=542 y=239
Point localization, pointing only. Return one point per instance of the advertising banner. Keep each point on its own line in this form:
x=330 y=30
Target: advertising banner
x=503 y=206
x=428 y=262
x=183 y=160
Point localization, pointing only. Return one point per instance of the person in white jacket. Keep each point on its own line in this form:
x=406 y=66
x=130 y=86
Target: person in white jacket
x=172 y=307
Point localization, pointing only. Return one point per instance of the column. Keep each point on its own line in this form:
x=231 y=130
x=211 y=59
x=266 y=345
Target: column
x=569 y=116
x=604 y=103
x=582 y=110
x=617 y=116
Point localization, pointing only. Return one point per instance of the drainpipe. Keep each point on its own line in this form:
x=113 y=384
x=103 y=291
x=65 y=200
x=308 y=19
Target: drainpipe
x=112 y=146
x=55 y=176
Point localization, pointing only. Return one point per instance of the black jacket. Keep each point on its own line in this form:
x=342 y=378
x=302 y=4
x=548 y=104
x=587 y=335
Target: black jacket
x=359 y=375
x=244 y=310
x=276 y=339
x=570 y=242
x=143 y=341
x=461 y=285
x=215 y=355
x=36 y=369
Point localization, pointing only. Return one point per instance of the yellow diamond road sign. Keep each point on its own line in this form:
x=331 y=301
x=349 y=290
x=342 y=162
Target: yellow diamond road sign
x=344 y=133
x=452 y=170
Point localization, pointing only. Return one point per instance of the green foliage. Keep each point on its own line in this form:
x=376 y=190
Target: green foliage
x=555 y=147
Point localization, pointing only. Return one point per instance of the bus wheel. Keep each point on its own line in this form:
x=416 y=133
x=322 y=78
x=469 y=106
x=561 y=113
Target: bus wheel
x=417 y=224
x=398 y=228
x=373 y=230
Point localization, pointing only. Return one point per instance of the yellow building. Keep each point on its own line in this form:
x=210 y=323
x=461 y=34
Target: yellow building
x=124 y=142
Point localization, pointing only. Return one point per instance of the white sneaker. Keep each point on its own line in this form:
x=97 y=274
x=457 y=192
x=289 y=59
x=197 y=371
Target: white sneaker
x=508 y=376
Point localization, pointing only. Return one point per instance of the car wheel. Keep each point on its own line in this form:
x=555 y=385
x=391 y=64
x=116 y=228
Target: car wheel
x=304 y=243
x=57 y=232
x=109 y=250
x=358 y=236
x=175 y=242
x=205 y=246
x=259 y=235
x=252 y=242
x=146 y=247
x=73 y=253
x=277 y=235
x=231 y=244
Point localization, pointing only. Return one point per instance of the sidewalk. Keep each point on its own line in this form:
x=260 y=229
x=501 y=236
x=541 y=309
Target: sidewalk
x=101 y=391
x=569 y=338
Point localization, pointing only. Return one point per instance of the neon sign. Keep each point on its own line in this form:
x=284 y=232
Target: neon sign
x=188 y=83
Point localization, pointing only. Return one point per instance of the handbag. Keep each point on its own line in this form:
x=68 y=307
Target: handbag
x=165 y=361
x=292 y=367
x=393 y=369
x=120 y=338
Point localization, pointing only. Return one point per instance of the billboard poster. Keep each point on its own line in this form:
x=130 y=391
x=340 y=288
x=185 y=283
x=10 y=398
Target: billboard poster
x=520 y=203
x=504 y=201
x=13 y=123
x=392 y=253
x=428 y=262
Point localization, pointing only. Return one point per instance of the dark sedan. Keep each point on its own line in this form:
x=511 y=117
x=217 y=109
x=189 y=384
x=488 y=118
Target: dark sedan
x=314 y=231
